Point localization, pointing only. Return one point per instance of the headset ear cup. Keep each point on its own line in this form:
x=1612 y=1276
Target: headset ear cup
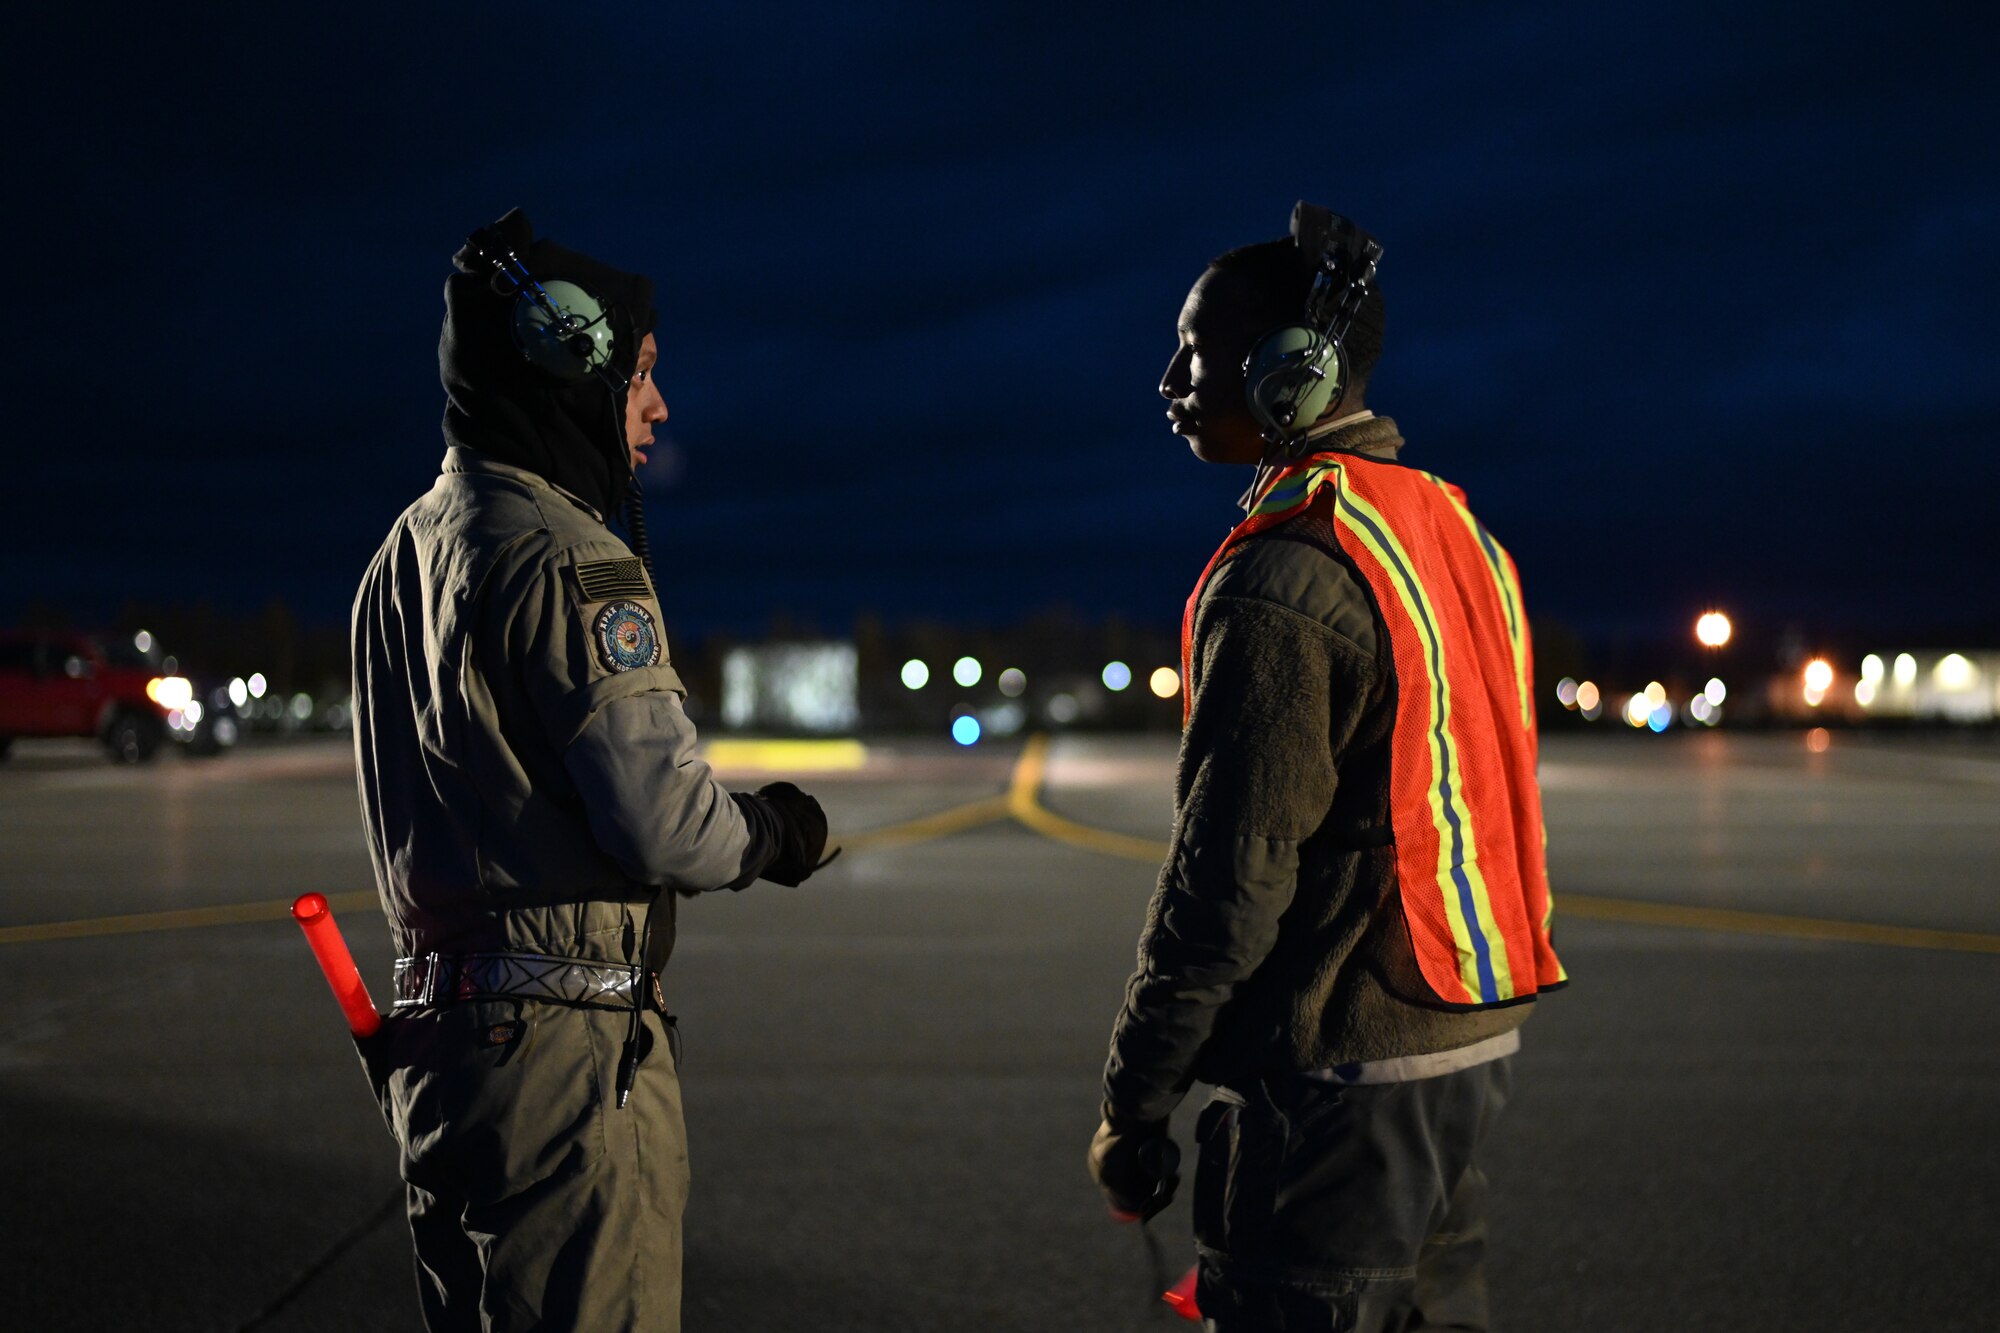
x=1290 y=378
x=572 y=346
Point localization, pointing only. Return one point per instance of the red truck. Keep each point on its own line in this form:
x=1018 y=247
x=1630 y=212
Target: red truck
x=59 y=683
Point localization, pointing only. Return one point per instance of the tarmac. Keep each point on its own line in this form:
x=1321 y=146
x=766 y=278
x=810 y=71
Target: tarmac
x=1767 y=1100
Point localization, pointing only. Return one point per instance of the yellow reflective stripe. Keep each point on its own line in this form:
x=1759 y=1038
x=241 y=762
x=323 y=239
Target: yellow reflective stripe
x=1549 y=907
x=1510 y=588
x=1500 y=565
x=1290 y=490
x=1449 y=814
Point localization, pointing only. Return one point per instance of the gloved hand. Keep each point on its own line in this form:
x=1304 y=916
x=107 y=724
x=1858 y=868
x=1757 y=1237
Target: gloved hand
x=1137 y=1165
x=801 y=833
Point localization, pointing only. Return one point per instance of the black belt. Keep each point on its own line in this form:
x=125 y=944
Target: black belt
x=446 y=978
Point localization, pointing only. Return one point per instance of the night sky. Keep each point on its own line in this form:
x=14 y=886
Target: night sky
x=1698 y=306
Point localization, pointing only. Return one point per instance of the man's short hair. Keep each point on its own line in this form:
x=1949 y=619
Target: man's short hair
x=1274 y=276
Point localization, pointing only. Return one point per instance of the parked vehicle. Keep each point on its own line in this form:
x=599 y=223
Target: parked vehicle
x=119 y=690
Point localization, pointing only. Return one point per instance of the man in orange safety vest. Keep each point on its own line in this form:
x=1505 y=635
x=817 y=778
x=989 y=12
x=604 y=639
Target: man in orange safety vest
x=1353 y=920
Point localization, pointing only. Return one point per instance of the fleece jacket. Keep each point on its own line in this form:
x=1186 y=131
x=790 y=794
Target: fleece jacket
x=1274 y=941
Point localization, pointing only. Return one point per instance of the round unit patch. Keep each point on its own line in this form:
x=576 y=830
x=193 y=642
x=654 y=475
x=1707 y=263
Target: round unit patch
x=626 y=637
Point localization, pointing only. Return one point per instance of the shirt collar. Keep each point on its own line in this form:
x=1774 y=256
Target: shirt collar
x=1319 y=439
x=458 y=458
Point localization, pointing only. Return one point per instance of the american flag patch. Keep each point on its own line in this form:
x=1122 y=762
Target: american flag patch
x=602 y=580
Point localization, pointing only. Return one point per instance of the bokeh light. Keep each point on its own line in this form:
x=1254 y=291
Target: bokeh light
x=172 y=692
x=1905 y=670
x=1117 y=676
x=1819 y=675
x=256 y=684
x=1165 y=682
x=1712 y=629
x=1656 y=693
x=965 y=730
x=916 y=674
x=1005 y=720
x=1715 y=691
x=1955 y=671
x=1063 y=709
x=1589 y=700
x=1638 y=710
x=1566 y=692
x=1872 y=669
x=1013 y=681
x=1864 y=691
x=1818 y=739
x=966 y=671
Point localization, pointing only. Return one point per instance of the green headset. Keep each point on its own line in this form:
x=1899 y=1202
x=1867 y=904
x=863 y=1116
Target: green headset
x=558 y=326
x=1297 y=373
x=566 y=331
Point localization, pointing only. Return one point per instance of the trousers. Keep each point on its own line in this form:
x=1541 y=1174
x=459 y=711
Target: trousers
x=1345 y=1209
x=535 y=1202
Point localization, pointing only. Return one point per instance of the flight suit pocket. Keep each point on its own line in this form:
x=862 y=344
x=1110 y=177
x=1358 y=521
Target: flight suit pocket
x=489 y=1098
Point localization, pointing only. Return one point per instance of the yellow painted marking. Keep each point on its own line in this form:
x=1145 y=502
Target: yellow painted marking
x=1633 y=911
x=787 y=756
x=1022 y=803
x=185 y=918
x=940 y=825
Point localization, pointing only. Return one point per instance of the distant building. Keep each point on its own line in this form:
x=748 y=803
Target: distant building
x=1929 y=686
x=791 y=687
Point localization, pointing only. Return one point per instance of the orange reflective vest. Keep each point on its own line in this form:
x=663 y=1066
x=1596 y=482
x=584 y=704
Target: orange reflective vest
x=1465 y=812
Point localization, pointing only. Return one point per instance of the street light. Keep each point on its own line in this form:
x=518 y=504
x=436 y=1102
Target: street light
x=1712 y=629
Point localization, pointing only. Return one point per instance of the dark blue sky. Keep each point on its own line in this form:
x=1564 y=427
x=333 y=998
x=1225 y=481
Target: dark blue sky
x=1697 y=304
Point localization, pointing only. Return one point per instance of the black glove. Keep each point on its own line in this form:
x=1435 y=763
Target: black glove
x=801 y=833
x=1137 y=1166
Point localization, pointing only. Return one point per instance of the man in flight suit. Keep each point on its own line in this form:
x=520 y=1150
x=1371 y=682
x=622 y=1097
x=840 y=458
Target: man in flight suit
x=534 y=804
x=1299 y=952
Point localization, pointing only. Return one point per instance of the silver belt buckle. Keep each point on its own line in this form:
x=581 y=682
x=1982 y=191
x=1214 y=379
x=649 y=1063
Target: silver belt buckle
x=437 y=969
x=434 y=967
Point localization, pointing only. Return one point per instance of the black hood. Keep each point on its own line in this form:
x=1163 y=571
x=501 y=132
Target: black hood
x=503 y=407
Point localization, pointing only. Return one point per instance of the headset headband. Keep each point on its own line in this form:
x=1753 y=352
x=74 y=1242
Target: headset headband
x=1344 y=257
x=1297 y=373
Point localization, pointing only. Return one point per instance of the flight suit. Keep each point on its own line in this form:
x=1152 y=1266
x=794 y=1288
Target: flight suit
x=529 y=786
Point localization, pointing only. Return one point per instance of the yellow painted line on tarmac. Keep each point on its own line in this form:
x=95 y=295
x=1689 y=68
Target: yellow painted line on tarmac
x=1633 y=911
x=1023 y=799
x=940 y=825
x=185 y=918
x=842 y=755
x=1024 y=804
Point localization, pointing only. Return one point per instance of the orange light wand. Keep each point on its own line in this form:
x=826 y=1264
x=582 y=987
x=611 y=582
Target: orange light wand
x=1181 y=1295
x=315 y=918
